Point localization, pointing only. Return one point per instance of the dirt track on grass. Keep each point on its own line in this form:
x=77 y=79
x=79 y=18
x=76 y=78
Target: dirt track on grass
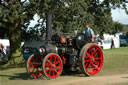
x=74 y=80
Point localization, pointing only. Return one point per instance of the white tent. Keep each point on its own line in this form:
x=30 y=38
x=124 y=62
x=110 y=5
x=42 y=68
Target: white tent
x=5 y=42
x=107 y=42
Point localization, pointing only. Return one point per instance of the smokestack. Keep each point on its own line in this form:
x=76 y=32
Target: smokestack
x=48 y=26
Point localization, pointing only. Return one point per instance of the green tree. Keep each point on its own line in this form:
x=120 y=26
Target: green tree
x=72 y=15
x=118 y=27
x=13 y=16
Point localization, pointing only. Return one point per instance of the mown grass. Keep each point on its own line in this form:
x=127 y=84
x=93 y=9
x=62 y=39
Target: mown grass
x=115 y=63
x=13 y=74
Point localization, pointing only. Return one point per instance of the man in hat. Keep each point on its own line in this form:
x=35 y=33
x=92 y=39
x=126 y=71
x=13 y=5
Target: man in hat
x=89 y=32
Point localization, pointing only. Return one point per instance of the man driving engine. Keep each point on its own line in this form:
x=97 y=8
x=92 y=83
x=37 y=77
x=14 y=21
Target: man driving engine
x=89 y=32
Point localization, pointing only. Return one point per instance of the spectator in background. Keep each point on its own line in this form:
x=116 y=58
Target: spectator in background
x=2 y=51
x=2 y=48
x=112 y=45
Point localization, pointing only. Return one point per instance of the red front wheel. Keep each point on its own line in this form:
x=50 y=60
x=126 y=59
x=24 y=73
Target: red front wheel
x=52 y=66
x=91 y=59
x=34 y=66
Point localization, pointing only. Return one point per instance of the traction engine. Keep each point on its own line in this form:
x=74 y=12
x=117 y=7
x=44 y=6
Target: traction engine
x=64 y=53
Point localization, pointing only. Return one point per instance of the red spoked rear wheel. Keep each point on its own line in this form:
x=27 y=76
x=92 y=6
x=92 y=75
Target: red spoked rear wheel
x=52 y=66
x=91 y=59
x=34 y=66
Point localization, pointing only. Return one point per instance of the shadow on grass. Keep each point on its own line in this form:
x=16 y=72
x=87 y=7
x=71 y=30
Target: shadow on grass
x=73 y=73
x=6 y=66
x=26 y=76
x=17 y=76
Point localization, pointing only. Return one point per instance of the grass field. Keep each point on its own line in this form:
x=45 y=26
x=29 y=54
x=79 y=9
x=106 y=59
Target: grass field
x=115 y=63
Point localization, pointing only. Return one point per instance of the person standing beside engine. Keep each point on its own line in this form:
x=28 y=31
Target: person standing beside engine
x=89 y=33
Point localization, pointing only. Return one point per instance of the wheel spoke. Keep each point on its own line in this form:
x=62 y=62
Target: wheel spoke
x=31 y=67
x=49 y=62
x=98 y=58
x=49 y=72
x=91 y=51
x=89 y=65
x=53 y=72
x=85 y=64
x=31 y=63
x=88 y=54
x=56 y=71
x=56 y=63
x=51 y=59
x=48 y=69
x=85 y=56
x=91 y=68
x=35 y=59
x=33 y=70
x=47 y=65
x=96 y=66
x=54 y=60
x=86 y=60
x=36 y=70
x=57 y=67
x=95 y=51
x=97 y=63
x=95 y=55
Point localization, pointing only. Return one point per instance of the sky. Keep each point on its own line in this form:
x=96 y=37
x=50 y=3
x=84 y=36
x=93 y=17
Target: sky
x=33 y=22
x=119 y=15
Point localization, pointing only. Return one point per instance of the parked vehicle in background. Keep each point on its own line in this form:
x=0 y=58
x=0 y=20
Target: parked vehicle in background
x=123 y=40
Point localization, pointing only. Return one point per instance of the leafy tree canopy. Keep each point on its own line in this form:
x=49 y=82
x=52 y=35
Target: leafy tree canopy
x=68 y=15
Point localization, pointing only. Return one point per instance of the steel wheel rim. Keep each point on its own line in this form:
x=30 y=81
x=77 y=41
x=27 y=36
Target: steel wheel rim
x=93 y=60
x=35 y=66
x=53 y=66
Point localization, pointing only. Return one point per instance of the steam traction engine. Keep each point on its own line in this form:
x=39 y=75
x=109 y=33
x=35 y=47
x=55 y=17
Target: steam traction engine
x=60 y=53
